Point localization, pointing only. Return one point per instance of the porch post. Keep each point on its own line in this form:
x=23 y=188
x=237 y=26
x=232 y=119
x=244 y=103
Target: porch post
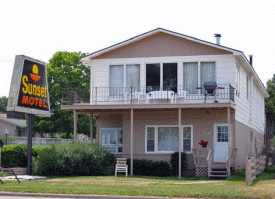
x=91 y=126
x=180 y=134
x=75 y=125
x=132 y=139
x=229 y=141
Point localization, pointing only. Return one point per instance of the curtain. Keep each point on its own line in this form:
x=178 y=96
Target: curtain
x=116 y=79
x=208 y=73
x=168 y=139
x=133 y=77
x=187 y=139
x=190 y=77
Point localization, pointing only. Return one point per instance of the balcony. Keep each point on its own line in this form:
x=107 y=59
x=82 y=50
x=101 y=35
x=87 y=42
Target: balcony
x=148 y=95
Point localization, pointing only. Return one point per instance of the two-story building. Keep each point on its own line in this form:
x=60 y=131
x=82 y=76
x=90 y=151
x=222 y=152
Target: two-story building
x=162 y=91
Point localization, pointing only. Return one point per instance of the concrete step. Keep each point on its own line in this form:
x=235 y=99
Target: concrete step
x=219 y=176
x=218 y=171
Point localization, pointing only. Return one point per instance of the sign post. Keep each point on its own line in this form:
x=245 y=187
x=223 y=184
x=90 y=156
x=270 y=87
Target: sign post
x=29 y=152
x=29 y=93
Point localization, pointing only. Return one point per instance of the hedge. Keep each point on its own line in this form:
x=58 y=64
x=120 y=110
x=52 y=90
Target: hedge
x=175 y=162
x=15 y=155
x=150 y=168
x=75 y=158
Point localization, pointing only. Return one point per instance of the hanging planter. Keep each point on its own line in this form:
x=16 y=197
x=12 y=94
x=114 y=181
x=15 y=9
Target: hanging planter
x=203 y=143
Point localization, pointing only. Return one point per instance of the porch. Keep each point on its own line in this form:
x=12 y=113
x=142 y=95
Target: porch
x=205 y=164
x=134 y=119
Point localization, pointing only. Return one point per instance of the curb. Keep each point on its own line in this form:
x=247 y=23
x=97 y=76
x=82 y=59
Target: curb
x=49 y=195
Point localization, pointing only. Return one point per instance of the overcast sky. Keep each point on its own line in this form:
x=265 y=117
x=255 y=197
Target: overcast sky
x=39 y=29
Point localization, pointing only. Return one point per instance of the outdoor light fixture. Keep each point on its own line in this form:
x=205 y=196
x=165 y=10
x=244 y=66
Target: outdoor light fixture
x=6 y=132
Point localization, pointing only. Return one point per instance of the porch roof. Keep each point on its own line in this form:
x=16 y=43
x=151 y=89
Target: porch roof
x=87 y=108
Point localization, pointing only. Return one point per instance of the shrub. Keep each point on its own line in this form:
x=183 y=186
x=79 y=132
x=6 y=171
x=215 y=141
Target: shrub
x=14 y=155
x=75 y=158
x=38 y=149
x=175 y=162
x=150 y=168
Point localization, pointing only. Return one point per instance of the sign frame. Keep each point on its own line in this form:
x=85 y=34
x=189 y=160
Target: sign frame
x=17 y=76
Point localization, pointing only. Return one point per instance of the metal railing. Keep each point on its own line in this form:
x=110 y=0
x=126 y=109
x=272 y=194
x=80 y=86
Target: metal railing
x=36 y=140
x=147 y=95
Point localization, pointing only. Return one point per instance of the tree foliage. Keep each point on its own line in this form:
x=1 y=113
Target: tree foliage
x=270 y=108
x=64 y=70
x=3 y=104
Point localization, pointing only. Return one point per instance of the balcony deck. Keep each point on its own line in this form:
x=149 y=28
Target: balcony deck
x=131 y=97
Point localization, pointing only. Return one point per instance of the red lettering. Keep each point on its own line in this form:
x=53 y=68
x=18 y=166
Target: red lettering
x=25 y=99
x=31 y=101
x=36 y=100
x=40 y=102
x=44 y=104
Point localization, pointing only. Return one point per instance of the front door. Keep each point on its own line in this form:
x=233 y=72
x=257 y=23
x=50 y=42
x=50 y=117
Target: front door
x=220 y=142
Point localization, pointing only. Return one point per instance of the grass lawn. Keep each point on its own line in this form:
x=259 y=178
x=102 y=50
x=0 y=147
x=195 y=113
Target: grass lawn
x=263 y=187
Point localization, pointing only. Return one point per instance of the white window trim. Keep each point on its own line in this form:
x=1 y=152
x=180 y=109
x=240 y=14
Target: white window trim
x=161 y=71
x=215 y=134
x=199 y=71
x=156 y=138
x=238 y=80
x=112 y=145
x=124 y=72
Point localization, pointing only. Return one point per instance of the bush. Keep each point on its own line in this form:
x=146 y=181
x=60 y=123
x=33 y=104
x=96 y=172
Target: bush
x=75 y=158
x=14 y=155
x=175 y=162
x=150 y=168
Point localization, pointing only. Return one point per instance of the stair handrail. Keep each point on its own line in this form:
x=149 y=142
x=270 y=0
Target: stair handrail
x=209 y=160
x=195 y=156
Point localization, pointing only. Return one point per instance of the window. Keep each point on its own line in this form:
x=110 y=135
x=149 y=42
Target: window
x=163 y=139
x=122 y=76
x=190 y=77
x=238 y=80
x=111 y=139
x=196 y=73
x=208 y=73
x=247 y=87
x=161 y=76
x=222 y=134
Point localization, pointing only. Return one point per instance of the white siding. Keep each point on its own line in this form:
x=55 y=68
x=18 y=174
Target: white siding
x=250 y=111
x=225 y=74
x=225 y=67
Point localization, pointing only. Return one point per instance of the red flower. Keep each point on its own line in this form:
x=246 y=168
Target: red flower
x=203 y=143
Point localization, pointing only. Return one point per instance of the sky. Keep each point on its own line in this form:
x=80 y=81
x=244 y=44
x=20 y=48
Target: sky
x=38 y=29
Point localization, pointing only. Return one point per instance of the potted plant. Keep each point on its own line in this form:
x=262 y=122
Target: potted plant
x=203 y=143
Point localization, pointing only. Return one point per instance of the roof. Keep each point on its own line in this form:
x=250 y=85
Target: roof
x=238 y=53
x=16 y=122
x=152 y=32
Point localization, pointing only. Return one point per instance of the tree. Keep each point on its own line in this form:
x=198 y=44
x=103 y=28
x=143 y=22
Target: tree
x=3 y=104
x=64 y=70
x=269 y=149
x=270 y=109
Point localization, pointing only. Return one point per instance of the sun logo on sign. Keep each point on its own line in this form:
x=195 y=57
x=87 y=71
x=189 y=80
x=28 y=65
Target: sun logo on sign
x=34 y=75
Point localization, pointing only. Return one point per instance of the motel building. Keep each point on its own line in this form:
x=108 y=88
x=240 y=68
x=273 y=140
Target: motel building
x=162 y=91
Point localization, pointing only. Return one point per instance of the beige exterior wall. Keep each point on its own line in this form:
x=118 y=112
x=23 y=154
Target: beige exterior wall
x=203 y=121
x=248 y=141
x=162 y=44
x=11 y=129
